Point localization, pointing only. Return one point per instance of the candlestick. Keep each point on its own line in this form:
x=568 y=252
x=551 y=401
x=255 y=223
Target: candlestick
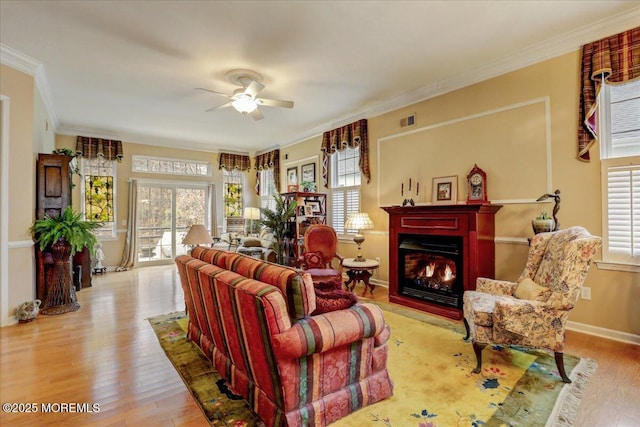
x=417 y=188
x=409 y=184
x=402 y=190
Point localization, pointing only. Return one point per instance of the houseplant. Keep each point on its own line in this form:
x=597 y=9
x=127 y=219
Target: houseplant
x=62 y=236
x=543 y=223
x=276 y=220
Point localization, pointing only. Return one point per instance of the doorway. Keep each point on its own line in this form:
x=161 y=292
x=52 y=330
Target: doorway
x=165 y=213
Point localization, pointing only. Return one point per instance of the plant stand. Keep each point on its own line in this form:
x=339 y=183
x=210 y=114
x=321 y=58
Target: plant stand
x=60 y=295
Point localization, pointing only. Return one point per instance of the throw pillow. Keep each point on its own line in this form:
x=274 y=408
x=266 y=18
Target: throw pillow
x=333 y=300
x=250 y=242
x=313 y=260
x=530 y=290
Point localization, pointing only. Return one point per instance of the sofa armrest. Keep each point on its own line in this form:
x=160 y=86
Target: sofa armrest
x=323 y=332
x=495 y=287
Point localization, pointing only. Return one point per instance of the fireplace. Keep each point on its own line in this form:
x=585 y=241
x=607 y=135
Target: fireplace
x=437 y=252
x=431 y=268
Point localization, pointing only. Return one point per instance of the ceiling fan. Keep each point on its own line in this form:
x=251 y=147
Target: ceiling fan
x=245 y=99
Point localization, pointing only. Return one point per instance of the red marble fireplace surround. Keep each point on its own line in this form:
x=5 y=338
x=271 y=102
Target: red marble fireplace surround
x=474 y=224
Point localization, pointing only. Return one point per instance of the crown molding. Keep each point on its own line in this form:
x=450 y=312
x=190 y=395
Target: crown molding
x=33 y=67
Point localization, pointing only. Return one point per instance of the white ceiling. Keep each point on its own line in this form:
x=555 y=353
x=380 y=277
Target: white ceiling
x=128 y=69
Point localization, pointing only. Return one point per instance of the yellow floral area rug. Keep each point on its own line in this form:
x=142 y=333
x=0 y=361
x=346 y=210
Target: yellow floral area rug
x=430 y=365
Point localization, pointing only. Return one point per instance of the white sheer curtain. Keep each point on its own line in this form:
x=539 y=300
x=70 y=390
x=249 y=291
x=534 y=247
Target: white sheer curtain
x=130 y=252
x=213 y=221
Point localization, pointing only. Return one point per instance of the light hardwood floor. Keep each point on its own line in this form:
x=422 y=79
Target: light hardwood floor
x=106 y=353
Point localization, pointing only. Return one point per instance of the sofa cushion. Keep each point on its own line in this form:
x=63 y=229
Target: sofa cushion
x=251 y=242
x=296 y=287
x=335 y=299
x=529 y=290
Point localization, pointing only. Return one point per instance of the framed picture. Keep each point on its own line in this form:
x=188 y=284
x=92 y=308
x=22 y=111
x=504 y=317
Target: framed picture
x=292 y=176
x=292 y=188
x=445 y=190
x=308 y=172
x=308 y=210
x=314 y=205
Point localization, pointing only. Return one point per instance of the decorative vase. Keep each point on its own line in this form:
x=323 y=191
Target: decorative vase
x=28 y=311
x=60 y=295
x=542 y=225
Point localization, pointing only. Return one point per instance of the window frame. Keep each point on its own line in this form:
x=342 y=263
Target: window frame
x=89 y=163
x=610 y=259
x=336 y=185
x=238 y=178
x=266 y=178
x=196 y=163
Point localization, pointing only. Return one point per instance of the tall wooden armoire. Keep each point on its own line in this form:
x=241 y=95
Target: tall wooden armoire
x=53 y=195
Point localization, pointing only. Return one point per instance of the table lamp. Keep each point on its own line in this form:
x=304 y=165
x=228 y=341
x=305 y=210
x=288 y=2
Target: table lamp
x=359 y=221
x=251 y=214
x=197 y=235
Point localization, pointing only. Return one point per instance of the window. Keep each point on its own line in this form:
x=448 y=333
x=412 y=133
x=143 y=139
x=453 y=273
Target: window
x=170 y=166
x=620 y=169
x=232 y=191
x=98 y=195
x=267 y=189
x=345 y=187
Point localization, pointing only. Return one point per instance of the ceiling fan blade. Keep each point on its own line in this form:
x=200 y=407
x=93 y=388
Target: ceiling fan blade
x=253 y=88
x=219 y=107
x=213 y=91
x=274 y=103
x=257 y=115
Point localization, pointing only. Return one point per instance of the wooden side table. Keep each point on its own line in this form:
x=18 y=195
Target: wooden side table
x=360 y=271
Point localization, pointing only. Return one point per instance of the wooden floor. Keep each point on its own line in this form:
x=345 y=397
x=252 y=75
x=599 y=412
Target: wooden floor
x=107 y=354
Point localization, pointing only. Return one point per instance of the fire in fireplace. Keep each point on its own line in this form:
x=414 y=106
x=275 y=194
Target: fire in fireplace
x=430 y=268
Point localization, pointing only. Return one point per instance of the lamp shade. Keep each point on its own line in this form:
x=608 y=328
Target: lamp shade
x=359 y=221
x=196 y=235
x=244 y=103
x=251 y=213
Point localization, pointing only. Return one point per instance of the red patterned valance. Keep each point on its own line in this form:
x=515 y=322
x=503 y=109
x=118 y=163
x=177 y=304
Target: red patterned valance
x=91 y=148
x=351 y=135
x=614 y=59
x=231 y=161
x=270 y=160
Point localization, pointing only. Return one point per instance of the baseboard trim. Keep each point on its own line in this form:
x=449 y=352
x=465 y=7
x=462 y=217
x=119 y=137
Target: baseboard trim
x=604 y=332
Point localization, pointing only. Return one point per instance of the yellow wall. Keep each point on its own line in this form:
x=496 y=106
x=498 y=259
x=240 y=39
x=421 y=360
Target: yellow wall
x=508 y=125
x=20 y=89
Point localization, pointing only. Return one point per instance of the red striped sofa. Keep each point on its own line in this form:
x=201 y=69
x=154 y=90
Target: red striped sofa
x=253 y=320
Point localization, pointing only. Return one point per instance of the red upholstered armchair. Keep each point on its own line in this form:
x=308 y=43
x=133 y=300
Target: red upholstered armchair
x=321 y=243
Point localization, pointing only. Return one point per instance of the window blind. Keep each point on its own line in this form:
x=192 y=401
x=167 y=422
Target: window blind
x=623 y=199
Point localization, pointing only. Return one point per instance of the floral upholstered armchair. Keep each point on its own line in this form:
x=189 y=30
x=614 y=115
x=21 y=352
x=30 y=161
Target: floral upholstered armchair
x=533 y=311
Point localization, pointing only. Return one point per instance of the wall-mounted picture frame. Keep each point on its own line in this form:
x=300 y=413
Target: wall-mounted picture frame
x=292 y=176
x=308 y=172
x=445 y=190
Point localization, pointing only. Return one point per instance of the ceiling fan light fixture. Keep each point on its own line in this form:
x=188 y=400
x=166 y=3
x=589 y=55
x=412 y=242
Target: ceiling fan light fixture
x=244 y=104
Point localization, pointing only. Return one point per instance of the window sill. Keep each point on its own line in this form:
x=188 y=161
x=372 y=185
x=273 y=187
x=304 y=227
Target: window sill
x=618 y=266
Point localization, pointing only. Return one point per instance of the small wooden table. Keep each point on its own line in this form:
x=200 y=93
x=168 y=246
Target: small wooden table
x=360 y=270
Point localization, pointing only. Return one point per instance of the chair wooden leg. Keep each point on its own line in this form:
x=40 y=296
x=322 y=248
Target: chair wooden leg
x=466 y=326
x=477 y=349
x=560 y=365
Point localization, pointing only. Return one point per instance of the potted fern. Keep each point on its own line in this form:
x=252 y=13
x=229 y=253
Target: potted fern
x=62 y=236
x=276 y=220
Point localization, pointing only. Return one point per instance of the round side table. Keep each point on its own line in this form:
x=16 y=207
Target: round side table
x=360 y=271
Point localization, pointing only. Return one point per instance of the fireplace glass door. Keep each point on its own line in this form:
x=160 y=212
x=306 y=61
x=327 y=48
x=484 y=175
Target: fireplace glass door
x=431 y=268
